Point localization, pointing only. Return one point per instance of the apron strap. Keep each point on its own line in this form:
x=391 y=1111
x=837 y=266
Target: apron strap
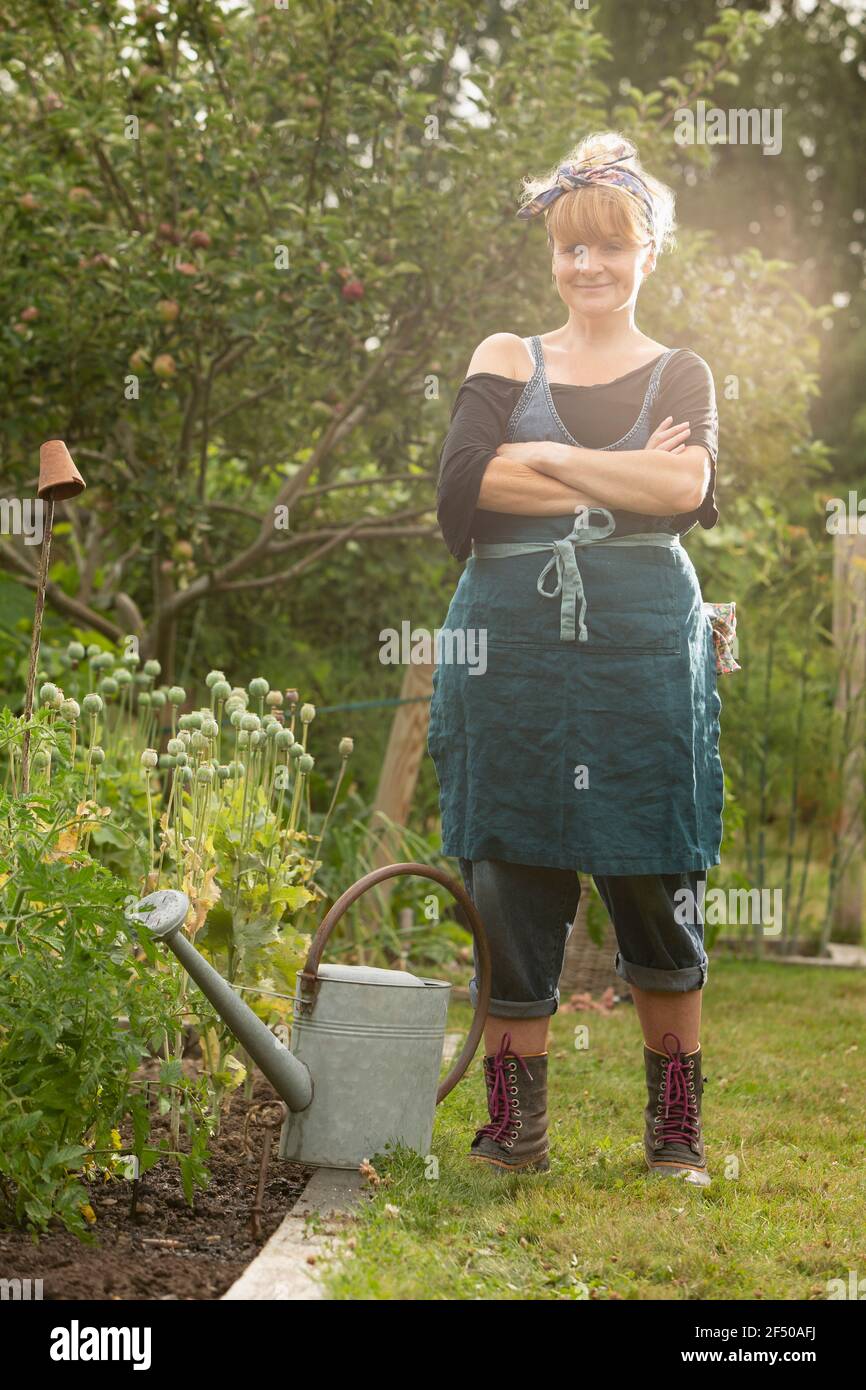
x=563 y=563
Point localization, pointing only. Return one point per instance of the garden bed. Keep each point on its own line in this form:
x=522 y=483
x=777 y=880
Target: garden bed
x=167 y=1249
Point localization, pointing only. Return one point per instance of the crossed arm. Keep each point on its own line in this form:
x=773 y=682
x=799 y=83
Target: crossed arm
x=546 y=478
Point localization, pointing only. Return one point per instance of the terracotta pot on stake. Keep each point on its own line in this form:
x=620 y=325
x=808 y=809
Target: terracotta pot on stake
x=59 y=479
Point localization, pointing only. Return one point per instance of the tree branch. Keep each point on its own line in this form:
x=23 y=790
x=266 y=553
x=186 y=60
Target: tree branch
x=64 y=603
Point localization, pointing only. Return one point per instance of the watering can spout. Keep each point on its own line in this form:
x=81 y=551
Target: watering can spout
x=163 y=914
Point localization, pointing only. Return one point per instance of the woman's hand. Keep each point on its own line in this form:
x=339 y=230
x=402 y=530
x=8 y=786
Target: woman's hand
x=668 y=437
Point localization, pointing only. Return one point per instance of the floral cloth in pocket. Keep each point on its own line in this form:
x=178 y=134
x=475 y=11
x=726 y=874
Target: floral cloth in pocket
x=723 y=617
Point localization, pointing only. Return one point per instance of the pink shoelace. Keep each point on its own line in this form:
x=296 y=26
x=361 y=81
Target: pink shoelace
x=499 y=1101
x=677 y=1125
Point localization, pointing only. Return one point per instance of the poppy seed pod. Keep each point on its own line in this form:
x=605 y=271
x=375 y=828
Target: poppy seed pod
x=75 y=651
x=144 y=699
x=236 y=716
x=166 y=760
x=285 y=738
x=213 y=677
x=185 y=774
x=122 y=676
x=306 y=762
x=157 y=699
x=243 y=739
x=210 y=728
x=239 y=693
x=70 y=709
x=198 y=741
x=296 y=750
x=345 y=746
x=93 y=651
x=224 y=772
x=274 y=698
x=131 y=658
x=250 y=721
x=177 y=695
x=101 y=660
x=152 y=668
x=185 y=737
x=205 y=773
x=221 y=690
x=149 y=758
x=259 y=686
x=40 y=758
x=108 y=685
x=181 y=759
x=255 y=738
x=308 y=714
x=92 y=704
x=292 y=697
x=175 y=746
x=48 y=693
x=97 y=755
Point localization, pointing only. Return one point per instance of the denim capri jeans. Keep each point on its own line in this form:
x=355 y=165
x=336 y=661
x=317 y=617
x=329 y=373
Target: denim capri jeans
x=529 y=911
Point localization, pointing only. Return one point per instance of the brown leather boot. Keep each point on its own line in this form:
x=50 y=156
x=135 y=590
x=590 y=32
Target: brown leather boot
x=515 y=1140
x=673 y=1142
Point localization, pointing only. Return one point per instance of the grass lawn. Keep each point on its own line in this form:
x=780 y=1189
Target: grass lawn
x=785 y=1125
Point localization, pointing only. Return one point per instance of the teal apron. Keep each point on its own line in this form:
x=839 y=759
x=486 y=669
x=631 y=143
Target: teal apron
x=582 y=731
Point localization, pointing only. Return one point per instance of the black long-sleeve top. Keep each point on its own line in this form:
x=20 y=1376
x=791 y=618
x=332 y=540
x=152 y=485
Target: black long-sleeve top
x=596 y=415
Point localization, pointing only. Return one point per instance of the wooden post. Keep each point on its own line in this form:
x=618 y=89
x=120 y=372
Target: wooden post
x=849 y=641
x=406 y=746
x=587 y=968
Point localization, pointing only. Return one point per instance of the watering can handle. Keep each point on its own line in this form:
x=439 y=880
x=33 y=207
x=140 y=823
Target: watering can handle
x=308 y=977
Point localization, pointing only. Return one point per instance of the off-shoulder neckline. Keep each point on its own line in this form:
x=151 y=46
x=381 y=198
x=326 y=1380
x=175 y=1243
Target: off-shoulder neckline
x=569 y=385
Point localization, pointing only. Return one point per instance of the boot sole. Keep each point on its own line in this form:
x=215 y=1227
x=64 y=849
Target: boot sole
x=696 y=1177
x=540 y=1165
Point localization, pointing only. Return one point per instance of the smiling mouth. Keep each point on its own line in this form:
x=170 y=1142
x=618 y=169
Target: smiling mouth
x=602 y=286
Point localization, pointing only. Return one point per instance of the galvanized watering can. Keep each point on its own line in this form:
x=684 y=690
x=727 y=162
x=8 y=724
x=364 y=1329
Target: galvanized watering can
x=366 y=1044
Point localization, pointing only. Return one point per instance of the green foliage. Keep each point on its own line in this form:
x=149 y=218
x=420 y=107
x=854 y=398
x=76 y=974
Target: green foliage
x=79 y=1009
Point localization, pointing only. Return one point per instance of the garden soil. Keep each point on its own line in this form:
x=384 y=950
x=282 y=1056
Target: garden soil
x=167 y=1249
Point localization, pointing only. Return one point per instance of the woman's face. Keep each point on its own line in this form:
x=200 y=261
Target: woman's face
x=601 y=277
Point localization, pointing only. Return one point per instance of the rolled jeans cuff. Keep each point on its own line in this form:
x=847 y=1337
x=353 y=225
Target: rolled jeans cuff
x=667 y=981
x=516 y=1008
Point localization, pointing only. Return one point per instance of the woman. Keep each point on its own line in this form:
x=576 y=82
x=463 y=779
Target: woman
x=588 y=739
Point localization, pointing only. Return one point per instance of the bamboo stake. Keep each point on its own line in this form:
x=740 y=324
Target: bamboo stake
x=58 y=480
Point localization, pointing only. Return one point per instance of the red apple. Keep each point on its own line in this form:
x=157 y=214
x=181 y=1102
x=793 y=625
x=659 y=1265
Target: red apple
x=138 y=360
x=29 y=202
x=352 y=290
x=168 y=310
x=164 y=365
x=199 y=239
x=30 y=314
x=186 y=268
x=168 y=232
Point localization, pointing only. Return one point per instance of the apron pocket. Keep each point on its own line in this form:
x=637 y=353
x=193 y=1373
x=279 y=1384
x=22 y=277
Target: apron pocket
x=609 y=633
